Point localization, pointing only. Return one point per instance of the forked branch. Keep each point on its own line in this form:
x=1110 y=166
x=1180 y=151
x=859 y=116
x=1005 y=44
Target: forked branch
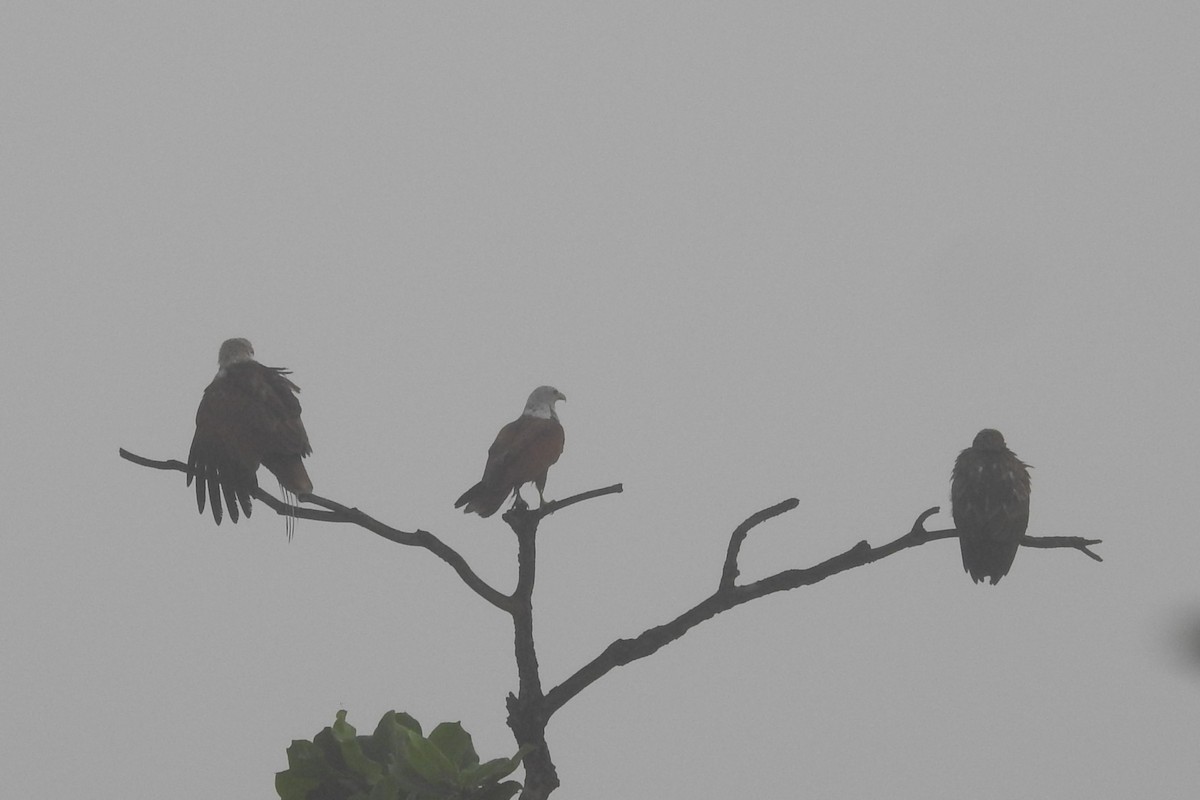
x=729 y=594
x=530 y=710
x=730 y=572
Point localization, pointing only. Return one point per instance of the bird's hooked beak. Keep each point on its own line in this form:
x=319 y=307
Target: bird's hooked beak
x=561 y=396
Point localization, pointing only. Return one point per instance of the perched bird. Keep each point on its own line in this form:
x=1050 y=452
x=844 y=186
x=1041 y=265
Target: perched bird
x=249 y=415
x=523 y=452
x=989 y=492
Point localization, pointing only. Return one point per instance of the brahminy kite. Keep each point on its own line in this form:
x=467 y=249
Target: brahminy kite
x=523 y=451
x=249 y=415
x=989 y=493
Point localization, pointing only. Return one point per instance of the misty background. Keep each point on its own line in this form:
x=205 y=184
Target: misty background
x=765 y=251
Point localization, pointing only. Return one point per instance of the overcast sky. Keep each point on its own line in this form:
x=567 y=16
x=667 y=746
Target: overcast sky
x=765 y=252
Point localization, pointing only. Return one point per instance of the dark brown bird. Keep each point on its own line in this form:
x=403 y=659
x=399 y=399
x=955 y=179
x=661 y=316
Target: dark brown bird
x=524 y=451
x=249 y=415
x=989 y=493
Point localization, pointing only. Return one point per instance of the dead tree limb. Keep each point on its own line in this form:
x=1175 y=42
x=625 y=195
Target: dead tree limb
x=336 y=512
x=729 y=594
x=526 y=709
x=339 y=513
x=730 y=572
x=531 y=708
x=554 y=505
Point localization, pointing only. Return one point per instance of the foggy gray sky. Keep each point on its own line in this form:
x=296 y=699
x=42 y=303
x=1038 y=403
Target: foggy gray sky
x=764 y=251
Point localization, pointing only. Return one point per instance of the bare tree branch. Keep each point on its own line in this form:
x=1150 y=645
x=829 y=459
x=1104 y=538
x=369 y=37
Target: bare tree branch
x=730 y=572
x=1063 y=541
x=420 y=538
x=178 y=466
x=340 y=513
x=554 y=505
x=531 y=709
x=730 y=595
x=280 y=507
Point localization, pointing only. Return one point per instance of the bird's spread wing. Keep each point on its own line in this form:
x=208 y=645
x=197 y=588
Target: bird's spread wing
x=247 y=415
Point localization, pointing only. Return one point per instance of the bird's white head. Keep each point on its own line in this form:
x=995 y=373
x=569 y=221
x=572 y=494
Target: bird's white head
x=541 y=402
x=233 y=351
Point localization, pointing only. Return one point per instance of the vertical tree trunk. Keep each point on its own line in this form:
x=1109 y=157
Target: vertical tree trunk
x=526 y=711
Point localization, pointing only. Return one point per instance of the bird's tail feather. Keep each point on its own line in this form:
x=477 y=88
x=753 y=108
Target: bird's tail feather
x=481 y=500
x=291 y=473
x=987 y=558
x=290 y=517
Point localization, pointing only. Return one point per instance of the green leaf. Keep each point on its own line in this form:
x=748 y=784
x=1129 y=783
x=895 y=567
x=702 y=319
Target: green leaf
x=305 y=759
x=495 y=769
x=307 y=769
x=400 y=719
x=394 y=763
x=412 y=786
x=342 y=730
x=455 y=744
x=290 y=786
x=385 y=745
x=388 y=788
x=351 y=751
x=428 y=761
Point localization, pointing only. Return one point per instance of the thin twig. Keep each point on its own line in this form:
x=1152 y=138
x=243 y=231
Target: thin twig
x=730 y=572
x=178 y=466
x=1063 y=541
x=554 y=505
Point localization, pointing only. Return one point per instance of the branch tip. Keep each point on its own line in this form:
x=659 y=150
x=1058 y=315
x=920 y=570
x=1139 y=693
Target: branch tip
x=554 y=505
x=919 y=525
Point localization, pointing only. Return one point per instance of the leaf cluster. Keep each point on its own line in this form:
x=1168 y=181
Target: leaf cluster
x=396 y=762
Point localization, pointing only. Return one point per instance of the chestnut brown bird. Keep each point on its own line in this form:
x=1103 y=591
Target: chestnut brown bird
x=249 y=415
x=989 y=493
x=524 y=451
